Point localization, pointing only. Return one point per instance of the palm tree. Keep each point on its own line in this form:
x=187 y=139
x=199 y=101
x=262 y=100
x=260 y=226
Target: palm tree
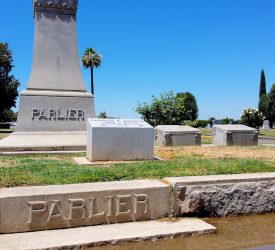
x=91 y=59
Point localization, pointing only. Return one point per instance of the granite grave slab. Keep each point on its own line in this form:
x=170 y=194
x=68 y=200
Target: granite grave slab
x=119 y=140
x=175 y=135
x=235 y=135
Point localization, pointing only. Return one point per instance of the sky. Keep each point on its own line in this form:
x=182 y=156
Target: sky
x=214 y=49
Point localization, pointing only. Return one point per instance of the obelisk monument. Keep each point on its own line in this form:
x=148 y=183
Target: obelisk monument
x=54 y=109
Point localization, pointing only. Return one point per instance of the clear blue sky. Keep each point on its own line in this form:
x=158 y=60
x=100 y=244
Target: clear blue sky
x=212 y=48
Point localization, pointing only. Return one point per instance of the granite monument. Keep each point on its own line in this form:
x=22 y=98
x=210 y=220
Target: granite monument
x=54 y=109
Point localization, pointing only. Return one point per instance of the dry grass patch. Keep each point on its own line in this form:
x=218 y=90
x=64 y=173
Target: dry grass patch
x=6 y=163
x=4 y=135
x=267 y=153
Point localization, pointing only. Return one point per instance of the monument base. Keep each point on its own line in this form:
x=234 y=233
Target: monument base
x=51 y=121
x=44 y=141
x=54 y=111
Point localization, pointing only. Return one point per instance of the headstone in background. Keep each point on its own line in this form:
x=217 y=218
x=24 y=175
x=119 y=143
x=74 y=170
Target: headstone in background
x=175 y=135
x=235 y=135
x=266 y=125
x=119 y=140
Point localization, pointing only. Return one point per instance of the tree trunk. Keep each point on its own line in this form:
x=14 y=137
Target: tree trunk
x=92 y=81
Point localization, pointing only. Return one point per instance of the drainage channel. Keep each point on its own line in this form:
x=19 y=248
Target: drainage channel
x=245 y=232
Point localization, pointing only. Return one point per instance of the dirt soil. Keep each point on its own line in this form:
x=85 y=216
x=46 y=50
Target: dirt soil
x=267 y=153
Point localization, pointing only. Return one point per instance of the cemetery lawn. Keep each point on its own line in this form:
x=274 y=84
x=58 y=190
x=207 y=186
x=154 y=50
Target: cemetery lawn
x=27 y=170
x=206 y=139
x=268 y=133
x=206 y=131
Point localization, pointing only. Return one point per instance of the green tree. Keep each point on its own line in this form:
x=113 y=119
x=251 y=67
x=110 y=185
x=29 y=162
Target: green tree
x=211 y=121
x=8 y=116
x=263 y=101
x=188 y=101
x=8 y=83
x=225 y=120
x=271 y=106
x=168 y=109
x=91 y=59
x=102 y=115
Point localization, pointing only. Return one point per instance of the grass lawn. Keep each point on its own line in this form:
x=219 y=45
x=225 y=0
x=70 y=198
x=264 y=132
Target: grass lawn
x=206 y=139
x=268 y=133
x=60 y=169
x=206 y=131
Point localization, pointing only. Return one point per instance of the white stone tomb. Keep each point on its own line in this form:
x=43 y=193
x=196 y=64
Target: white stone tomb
x=119 y=140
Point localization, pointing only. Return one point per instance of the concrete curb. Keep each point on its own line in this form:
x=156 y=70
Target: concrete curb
x=24 y=209
x=41 y=152
x=223 y=195
x=216 y=179
x=79 y=238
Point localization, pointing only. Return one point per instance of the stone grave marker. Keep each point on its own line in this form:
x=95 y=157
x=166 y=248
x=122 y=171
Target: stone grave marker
x=175 y=135
x=235 y=135
x=119 y=140
x=266 y=125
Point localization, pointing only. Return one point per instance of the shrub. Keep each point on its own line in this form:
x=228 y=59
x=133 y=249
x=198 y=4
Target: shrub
x=202 y=123
x=193 y=124
x=4 y=125
x=252 y=118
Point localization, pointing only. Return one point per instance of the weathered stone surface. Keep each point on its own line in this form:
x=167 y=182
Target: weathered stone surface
x=66 y=4
x=39 y=208
x=119 y=139
x=235 y=135
x=56 y=65
x=79 y=238
x=219 y=197
x=167 y=135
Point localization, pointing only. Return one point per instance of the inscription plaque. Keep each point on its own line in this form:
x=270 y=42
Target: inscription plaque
x=118 y=123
